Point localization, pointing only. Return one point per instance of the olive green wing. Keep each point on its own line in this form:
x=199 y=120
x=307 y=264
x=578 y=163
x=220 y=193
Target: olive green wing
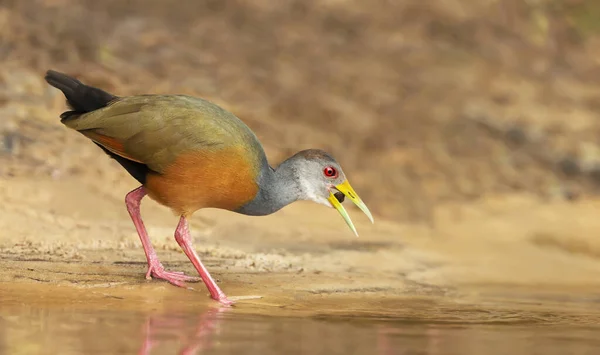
x=156 y=129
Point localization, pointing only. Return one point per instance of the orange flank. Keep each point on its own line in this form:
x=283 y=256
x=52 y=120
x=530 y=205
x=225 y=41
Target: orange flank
x=219 y=179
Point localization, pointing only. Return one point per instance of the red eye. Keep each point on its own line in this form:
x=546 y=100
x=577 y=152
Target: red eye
x=330 y=172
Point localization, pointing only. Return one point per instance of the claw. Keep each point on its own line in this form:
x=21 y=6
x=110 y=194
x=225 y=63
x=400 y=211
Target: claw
x=177 y=278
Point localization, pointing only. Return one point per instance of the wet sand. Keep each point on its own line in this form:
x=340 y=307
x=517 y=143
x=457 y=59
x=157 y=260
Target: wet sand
x=73 y=271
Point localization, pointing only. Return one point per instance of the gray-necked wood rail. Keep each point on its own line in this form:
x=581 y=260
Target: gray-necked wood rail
x=188 y=153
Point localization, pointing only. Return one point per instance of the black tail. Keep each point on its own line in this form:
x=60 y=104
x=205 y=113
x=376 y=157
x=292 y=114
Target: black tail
x=81 y=98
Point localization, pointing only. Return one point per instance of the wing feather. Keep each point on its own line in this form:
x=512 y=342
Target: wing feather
x=155 y=129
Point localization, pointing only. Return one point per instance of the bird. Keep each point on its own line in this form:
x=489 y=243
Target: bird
x=187 y=154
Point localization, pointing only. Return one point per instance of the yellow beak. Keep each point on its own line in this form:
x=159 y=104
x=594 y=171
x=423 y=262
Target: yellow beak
x=349 y=192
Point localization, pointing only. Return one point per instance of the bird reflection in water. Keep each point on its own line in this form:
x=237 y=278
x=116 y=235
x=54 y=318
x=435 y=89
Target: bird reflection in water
x=165 y=329
x=159 y=327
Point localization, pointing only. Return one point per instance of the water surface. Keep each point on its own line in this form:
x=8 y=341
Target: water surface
x=30 y=329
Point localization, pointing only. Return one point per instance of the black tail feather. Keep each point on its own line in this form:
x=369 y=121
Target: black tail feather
x=80 y=97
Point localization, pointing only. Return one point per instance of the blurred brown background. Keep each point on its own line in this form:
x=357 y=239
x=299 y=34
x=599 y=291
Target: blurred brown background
x=470 y=128
x=423 y=102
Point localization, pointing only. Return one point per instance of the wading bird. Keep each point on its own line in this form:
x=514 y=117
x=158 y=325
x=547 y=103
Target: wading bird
x=188 y=153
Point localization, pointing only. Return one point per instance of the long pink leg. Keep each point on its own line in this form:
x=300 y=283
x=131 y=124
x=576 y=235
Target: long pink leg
x=183 y=238
x=155 y=268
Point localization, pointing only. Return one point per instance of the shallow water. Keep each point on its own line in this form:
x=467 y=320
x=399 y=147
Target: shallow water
x=30 y=330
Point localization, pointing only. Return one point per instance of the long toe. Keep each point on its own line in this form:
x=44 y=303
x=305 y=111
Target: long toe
x=180 y=276
x=225 y=301
x=174 y=277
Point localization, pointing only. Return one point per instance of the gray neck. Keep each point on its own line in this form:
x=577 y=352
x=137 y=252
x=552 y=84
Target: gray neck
x=277 y=189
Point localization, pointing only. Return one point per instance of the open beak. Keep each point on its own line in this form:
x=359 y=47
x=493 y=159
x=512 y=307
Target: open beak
x=349 y=192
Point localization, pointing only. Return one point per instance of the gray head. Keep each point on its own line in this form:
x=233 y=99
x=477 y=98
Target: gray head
x=320 y=178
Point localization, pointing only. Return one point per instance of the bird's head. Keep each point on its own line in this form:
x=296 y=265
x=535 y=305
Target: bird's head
x=322 y=180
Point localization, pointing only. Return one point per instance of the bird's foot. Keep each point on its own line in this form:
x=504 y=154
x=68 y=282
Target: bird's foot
x=177 y=278
x=224 y=300
x=228 y=301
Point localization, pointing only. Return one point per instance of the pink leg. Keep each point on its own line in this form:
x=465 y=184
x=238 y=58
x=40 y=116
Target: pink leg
x=155 y=268
x=182 y=236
